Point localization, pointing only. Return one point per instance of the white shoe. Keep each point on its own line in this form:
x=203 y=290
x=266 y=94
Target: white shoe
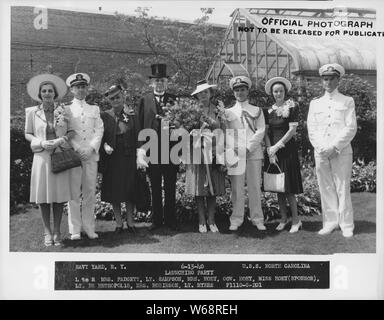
x=202 y=228
x=260 y=226
x=281 y=226
x=213 y=228
x=233 y=227
x=76 y=236
x=347 y=233
x=296 y=227
x=92 y=235
x=326 y=230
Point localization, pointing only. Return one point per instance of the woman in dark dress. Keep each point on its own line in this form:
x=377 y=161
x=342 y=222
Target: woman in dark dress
x=281 y=123
x=118 y=156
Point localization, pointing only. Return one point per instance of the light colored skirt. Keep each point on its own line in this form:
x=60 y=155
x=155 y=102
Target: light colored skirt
x=48 y=187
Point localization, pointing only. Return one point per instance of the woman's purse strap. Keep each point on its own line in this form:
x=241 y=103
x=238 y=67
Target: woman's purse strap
x=54 y=150
x=275 y=165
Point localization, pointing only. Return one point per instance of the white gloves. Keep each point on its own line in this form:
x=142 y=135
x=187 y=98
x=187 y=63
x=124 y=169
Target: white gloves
x=48 y=145
x=107 y=148
x=140 y=161
x=52 y=144
x=276 y=147
x=328 y=151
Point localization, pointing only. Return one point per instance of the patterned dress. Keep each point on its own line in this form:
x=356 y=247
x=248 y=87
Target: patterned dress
x=287 y=157
x=197 y=182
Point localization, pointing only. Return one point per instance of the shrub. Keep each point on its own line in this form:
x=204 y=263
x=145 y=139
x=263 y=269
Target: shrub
x=20 y=165
x=363 y=176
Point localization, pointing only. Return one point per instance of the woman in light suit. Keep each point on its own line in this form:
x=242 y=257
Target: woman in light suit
x=46 y=128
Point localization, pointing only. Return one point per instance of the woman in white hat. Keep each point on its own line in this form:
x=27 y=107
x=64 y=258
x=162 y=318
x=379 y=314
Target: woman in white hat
x=46 y=129
x=206 y=181
x=281 y=123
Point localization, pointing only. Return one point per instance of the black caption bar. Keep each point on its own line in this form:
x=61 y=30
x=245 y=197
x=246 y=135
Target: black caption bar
x=149 y=275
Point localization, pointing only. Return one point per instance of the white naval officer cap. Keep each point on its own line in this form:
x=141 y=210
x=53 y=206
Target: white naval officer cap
x=239 y=81
x=332 y=69
x=78 y=78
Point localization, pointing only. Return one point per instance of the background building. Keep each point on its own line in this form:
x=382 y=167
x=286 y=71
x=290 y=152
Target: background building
x=266 y=55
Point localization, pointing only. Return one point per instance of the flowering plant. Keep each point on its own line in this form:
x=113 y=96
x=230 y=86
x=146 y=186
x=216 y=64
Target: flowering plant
x=59 y=116
x=127 y=111
x=188 y=114
x=283 y=111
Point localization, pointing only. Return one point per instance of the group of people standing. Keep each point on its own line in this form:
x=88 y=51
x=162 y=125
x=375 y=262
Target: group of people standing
x=108 y=142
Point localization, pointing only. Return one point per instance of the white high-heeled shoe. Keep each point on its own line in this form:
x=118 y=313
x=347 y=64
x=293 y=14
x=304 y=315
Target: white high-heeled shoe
x=213 y=228
x=202 y=228
x=281 y=226
x=296 y=227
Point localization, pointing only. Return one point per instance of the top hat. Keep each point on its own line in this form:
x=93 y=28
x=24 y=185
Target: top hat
x=272 y=81
x=34 y=84
x=331 y=69
x=159 y=70
x=78 y=78
x=240 y=81
x=201 y=86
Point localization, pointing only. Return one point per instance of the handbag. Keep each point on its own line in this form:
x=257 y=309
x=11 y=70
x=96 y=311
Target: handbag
x=274 y=182
x=142 y=192
x=64 y=160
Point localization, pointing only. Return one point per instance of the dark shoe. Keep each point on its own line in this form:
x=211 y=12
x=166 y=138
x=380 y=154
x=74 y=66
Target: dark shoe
x=153 y=227
x=119 y=230
x=131 y=229
x=174 y=226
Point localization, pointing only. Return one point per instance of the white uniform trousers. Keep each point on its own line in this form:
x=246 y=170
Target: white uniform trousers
x=83 y=182
x=253 y=178
x=334 y=179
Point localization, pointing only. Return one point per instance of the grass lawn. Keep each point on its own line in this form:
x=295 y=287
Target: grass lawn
x=26 y=235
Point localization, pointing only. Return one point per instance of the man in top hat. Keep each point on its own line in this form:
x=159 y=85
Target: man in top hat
x=85 y=120
x=331 y=127
x=150 y=111
x=250 y=120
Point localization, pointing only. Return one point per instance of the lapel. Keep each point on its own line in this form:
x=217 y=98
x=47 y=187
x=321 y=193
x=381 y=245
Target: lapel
x=151 y=103
x=40 y=113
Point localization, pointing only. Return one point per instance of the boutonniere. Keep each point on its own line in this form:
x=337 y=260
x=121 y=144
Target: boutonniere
x=59 y=116
x=283 y=111
x=126 y=113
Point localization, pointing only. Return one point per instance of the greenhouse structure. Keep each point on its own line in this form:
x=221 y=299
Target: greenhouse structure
x=327 y=38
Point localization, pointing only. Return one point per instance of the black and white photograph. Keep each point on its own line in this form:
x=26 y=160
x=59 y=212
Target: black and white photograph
x=151 y=148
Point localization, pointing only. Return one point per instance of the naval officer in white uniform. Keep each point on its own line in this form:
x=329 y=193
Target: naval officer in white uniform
x=249 y=118
x=85 y=120
x=331 y=127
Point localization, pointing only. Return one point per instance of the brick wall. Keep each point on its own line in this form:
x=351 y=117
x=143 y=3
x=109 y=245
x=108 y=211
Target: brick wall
x=72 y=42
